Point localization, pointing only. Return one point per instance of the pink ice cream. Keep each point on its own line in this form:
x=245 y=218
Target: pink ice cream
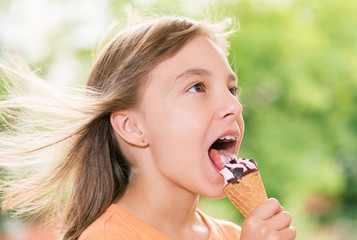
x=230 y=166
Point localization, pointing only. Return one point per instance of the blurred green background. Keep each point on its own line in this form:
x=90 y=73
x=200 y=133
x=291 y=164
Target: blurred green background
x=296 y=61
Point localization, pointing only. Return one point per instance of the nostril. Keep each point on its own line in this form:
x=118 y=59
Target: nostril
x=228 y=114
x=233 y=110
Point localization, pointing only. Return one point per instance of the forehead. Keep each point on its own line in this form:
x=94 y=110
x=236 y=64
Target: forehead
x=202 y=72
x=200 y=56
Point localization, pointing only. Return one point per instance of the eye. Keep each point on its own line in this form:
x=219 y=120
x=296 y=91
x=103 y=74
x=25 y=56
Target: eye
x=198 y=87
x=234 y=91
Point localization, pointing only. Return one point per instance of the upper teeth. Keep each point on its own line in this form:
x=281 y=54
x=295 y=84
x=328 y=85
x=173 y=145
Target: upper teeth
x=228 y=138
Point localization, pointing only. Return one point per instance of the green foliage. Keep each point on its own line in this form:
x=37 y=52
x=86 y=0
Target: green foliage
x=296 y=64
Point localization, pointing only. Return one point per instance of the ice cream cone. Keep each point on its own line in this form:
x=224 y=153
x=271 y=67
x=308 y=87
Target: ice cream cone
x=243 y=183
x=247 y=194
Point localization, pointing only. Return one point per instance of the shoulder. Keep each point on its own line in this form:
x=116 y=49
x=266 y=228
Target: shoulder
x=228 y=229
x=221 y=229
x=107 y=227
x=118 y=224
x=97 y=230
x=94 y=235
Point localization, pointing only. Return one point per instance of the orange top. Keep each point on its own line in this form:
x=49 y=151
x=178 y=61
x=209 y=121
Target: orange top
x=116 y=223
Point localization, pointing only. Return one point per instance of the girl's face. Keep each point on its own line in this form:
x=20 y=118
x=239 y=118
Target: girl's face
x=188 y=104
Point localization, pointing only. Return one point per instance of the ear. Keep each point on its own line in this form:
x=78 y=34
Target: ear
x=125 y=124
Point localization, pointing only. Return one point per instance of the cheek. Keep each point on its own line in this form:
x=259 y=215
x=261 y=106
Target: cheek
x=174 y=125
x=177 y=144
x=176 y=129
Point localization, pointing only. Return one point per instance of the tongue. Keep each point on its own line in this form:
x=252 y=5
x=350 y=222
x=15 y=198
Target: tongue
x=215 y=156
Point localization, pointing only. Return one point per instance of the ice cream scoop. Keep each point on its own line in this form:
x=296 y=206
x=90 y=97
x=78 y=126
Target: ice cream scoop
x=243 y=184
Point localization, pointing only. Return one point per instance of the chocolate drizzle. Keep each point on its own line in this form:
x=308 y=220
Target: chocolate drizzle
x=239 y=172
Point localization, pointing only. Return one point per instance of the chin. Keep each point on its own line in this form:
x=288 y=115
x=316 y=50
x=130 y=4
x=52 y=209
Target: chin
x=214 y=194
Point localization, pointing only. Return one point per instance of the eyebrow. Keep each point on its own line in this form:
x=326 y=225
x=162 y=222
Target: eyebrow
x=203 y=72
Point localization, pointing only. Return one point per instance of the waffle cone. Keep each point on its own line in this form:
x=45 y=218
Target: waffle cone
x=248 y=194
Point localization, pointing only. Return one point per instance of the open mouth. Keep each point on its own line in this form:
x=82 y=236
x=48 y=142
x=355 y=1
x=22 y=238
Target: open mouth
x=226 y=143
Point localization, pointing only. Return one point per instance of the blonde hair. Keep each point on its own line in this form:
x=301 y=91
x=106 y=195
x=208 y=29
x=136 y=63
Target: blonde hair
x=60 y=156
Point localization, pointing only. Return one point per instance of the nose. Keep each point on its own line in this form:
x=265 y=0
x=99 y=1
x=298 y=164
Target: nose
x=229 y=106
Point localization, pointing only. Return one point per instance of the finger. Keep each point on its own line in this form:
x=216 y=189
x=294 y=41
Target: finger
x=288 y=233
x=267 y=209
x=280 y=220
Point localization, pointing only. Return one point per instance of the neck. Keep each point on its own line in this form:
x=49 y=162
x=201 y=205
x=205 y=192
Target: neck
x=165 y=202
x=161 y=204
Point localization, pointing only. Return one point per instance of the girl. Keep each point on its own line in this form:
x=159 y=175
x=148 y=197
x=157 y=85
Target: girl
x=131 y=152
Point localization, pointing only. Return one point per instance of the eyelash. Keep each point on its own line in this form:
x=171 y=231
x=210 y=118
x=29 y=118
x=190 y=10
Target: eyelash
x=199 y=84
x=235 y=91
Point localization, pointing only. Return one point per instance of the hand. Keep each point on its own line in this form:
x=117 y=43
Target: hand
x=268 y=222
